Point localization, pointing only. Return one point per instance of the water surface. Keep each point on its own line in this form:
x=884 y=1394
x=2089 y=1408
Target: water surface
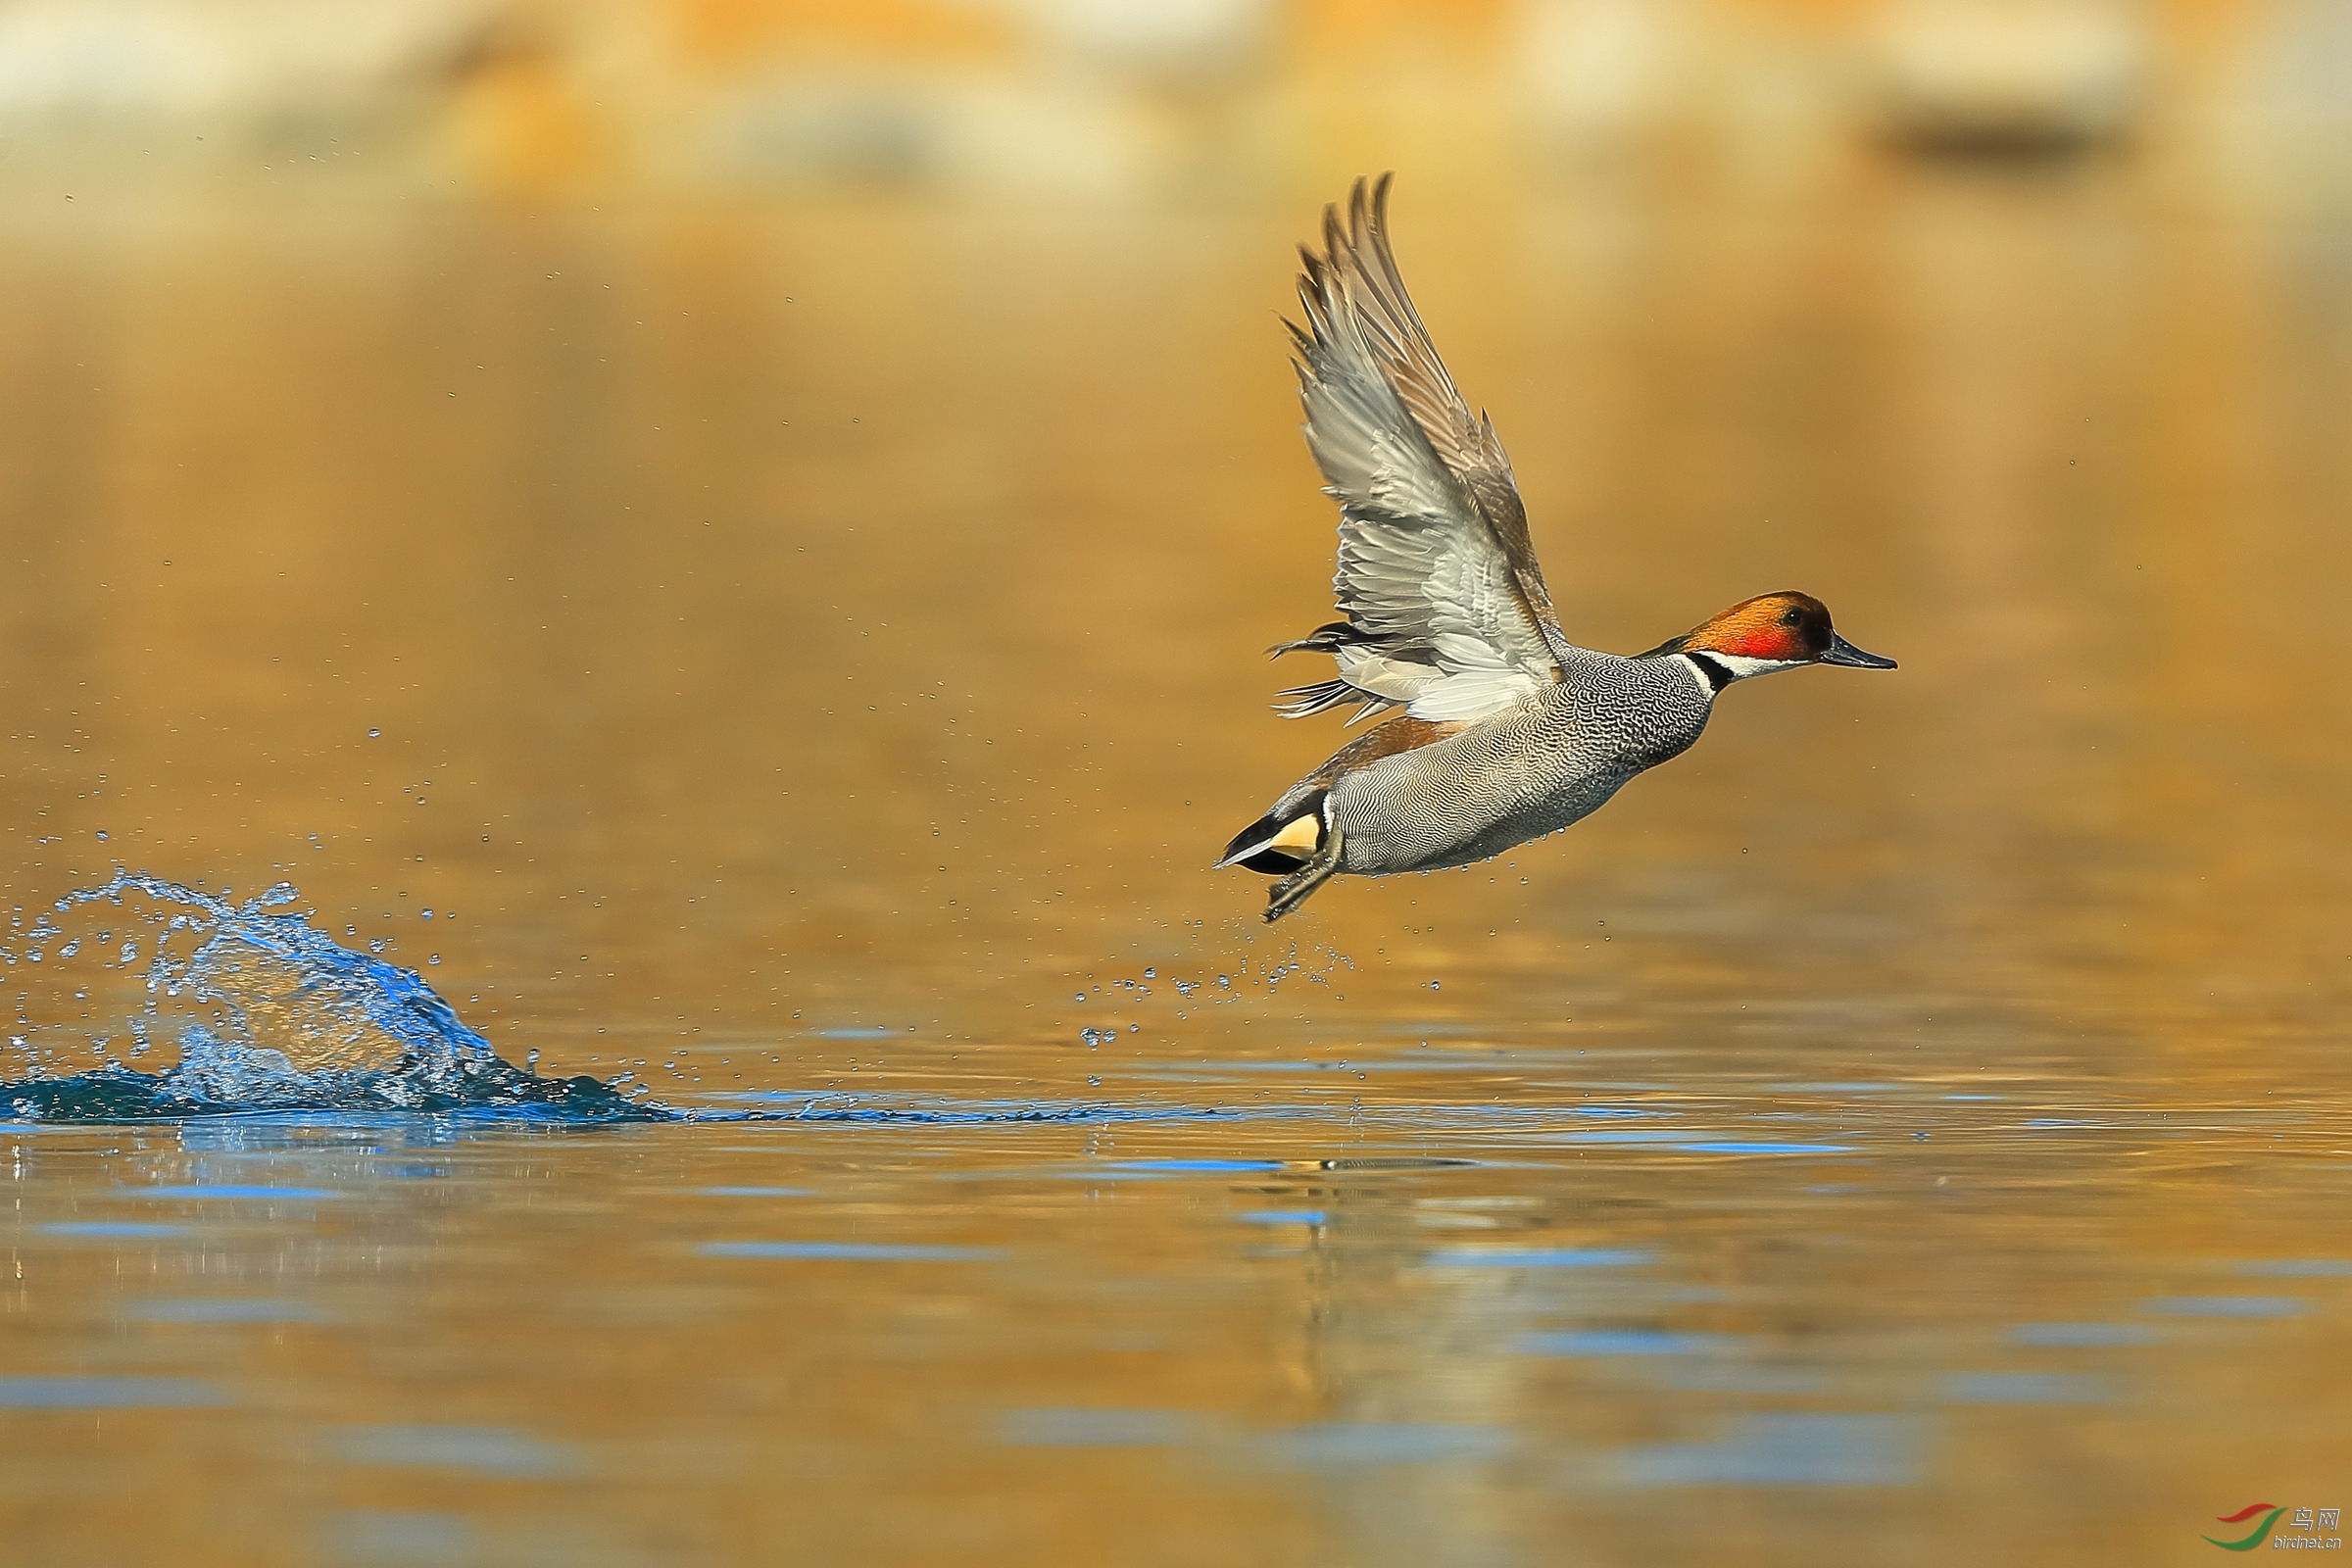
x=805 y=659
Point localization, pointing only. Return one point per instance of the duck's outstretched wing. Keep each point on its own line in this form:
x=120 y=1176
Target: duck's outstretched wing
x=1447 y=615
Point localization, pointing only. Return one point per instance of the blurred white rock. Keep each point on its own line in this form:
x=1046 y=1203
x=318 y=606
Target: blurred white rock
x=75 y=62
x=875 y=122
x=1599 y=73
x=1084 y=97
x=1195 y=42
x=2279 y=128
x=2012 y=74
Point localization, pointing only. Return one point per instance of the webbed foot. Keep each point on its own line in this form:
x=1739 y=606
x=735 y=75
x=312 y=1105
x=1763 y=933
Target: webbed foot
x=1293 y=890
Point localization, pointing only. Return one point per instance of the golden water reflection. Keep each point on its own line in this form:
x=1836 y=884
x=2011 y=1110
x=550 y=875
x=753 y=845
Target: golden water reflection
x=817 y=648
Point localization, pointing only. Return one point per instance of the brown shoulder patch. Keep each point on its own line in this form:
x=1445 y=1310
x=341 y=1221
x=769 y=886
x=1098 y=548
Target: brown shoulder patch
x=1400 y=734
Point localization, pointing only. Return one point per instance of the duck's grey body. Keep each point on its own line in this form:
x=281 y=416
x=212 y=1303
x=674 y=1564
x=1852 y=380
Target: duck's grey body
x=1508 y=731
x=1547 y=761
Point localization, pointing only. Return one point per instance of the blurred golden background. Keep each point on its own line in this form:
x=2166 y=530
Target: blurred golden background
x=735 y=540
x=2241 y=101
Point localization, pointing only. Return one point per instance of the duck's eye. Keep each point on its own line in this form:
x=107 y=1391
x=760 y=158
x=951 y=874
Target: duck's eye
x=1791 y=615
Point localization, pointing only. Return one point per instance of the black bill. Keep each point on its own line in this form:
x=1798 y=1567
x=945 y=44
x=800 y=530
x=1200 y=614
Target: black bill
x=1842 y=652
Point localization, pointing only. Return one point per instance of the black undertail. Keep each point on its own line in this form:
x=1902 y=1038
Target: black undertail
x=1272 y=862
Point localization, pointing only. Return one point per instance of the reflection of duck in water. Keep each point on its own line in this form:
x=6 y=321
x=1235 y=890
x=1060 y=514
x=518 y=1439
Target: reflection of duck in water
x=1510 y=731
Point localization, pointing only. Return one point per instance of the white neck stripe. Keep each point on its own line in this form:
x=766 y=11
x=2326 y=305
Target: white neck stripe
x=1708 y=681
x=1739 y=665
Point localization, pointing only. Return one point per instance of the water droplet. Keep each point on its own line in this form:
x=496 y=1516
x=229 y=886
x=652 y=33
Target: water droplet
x=69 y=949
x=429 y=915
x=435 y=958
x=375 y=733
x=1151 y=974
x=1433 y=985
x=102 y=835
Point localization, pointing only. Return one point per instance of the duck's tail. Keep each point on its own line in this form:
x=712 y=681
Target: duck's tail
x=1281 y=841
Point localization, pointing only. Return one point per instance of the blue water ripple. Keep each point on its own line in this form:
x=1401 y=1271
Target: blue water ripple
x=105 y=1394
x=2224 y=1306
x=222 y=1309
x=2072 y=1335
x=1707 y=1375
x=1091 y=1428
x=2299 y=1268
x=2024 y=1387
x=489 y=1451
x=116 y=1229
x=1784 y=1450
